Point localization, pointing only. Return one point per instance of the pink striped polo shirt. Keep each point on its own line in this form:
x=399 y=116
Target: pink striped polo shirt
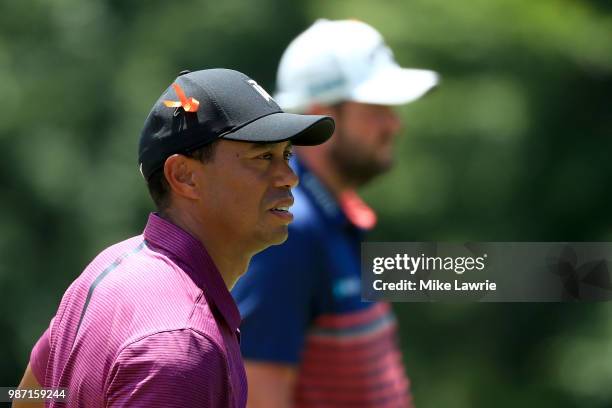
x=149 y=323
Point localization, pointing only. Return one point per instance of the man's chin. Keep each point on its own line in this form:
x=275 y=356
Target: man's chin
x=363 y=172
x=383 y=165
x=366 y=177
x=280 y=236
x=276 y=237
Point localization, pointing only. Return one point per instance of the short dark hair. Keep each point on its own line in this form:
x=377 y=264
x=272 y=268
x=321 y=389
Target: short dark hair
x=158 y=186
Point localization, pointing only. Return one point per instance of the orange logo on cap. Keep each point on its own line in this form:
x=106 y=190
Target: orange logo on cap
x=189 y=104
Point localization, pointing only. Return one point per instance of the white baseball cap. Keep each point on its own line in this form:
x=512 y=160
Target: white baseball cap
x=345 y=60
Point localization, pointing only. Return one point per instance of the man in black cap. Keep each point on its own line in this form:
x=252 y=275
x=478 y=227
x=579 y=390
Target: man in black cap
x=151 y=322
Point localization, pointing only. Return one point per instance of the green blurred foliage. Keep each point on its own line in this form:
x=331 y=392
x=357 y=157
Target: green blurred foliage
x=514 y=145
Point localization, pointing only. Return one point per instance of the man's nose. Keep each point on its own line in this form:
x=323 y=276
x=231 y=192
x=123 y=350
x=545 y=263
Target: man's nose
x=286 y=176
x=393 y=121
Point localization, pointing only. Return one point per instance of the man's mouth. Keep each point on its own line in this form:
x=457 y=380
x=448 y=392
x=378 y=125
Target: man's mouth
x=281 y=209
x=282 y=204
x=285 y=209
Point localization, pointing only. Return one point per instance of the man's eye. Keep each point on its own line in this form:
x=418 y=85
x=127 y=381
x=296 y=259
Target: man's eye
x=270 y=155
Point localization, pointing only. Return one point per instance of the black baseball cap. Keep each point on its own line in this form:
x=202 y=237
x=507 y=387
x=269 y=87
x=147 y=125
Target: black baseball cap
x=203 y=106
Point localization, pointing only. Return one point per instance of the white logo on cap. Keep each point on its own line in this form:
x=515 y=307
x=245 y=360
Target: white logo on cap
x=140 y=168
x=260 y=90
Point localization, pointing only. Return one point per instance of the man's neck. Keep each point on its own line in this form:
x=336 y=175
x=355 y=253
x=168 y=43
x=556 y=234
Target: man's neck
x=230 y=262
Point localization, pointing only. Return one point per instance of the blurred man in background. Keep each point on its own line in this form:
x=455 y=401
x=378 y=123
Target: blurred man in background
x=307 y=337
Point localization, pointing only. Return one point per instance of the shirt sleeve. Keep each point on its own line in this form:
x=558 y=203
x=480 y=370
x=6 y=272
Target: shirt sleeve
x=277 y=299
x=40 y=355
x=179 y=368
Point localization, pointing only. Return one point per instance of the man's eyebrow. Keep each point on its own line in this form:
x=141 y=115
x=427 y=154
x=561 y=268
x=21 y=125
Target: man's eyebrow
x=263 y=146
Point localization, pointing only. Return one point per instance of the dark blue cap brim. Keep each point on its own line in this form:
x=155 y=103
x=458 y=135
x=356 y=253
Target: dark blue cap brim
x=302 y=130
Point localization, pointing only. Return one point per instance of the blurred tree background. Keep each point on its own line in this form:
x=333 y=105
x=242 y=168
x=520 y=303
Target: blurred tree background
x=513 y=146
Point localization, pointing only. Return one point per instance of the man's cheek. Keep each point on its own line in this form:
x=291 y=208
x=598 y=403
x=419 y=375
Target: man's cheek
x=244 y=201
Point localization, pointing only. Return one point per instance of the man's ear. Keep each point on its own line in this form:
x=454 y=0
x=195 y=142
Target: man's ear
x=180 y=172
